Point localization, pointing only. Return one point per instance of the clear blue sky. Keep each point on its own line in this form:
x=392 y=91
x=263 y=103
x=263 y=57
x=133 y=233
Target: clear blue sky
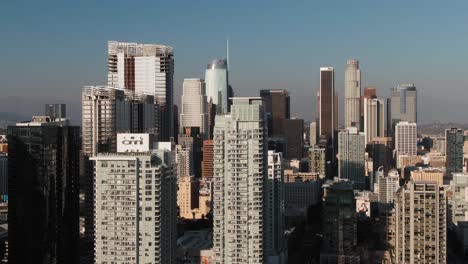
x=50 y=49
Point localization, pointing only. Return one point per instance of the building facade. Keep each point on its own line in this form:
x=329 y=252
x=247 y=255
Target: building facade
x=327 y=103
x=294 y=139
x=459 y=200
x=421 y=228
x=55 y=111
x=318 y=161
x=352 y=104
x=217 y=85
x=374 y=119
x=454 y=142
x=351 y=156
x=43 y=189
x=277 y=106
x=148 y=69
x=402 y=105
x=194 y=110
x=406 y=139
x=240 y=171
x=135 y=207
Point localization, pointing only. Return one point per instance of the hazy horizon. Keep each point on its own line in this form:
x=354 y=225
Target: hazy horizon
x=51 y=49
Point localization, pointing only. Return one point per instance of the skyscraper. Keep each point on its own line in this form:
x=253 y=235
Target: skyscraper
x=274 y=214
x=313 y=134
x=352 y=109
x=293 y=139
x=369 y=92
x=374 y=119
x=454 y=141
x=318 y=161
x=421 y=227
x=402 y=105
x=405 y=140
x=207 y=161
x=328 y=116
x=351 y=156
x=194 y=111
x=277 y=105
x=43 y=188
x=460 y=198
x=216 y=78
x=145 y=68
x=339 y=223
x=240 y=172
x=135 y=209
x=56 y=110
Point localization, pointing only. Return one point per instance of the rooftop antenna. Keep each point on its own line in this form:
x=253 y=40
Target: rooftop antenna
x=227 y=50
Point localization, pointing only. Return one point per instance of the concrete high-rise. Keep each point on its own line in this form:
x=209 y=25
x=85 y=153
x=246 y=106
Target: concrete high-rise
x=351 y=156
x=217 y=84
x=327 y=104
x=56 y=111
x=421 y=226
x=339 y=223
x=374 y=119
x=318 y=161
x=277 y=106
x=352 y=109
x=313 y=134
x=207 y=161
x=275 y=246
x=405 y=140
x=136 y=209
x=145 y=68
x=240 y=172
x=194 y=111
x=402 y=105
x=460 y=198
x=43 y=189
x=293 y=139
x=369 y=92
x=454 y=142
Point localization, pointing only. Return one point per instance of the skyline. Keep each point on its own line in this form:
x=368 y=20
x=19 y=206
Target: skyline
x=394 y=43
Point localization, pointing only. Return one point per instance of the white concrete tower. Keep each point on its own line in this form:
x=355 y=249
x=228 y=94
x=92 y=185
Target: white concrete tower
x=352 y=111
x=194 y=110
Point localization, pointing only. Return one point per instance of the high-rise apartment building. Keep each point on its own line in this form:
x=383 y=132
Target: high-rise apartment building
x=136 y=203
x=313 y=134
x=327 y=103
x=369 y=92
x=420 y=221
x=43 y=189
x=240 y=172
x=460 y=197
x=194 y=111
x=402 y=105
x=318 y=161
x=217 y=85
x=277 y=106
x=454 y=141
x=145 y=68
x=55 y=111
x=374 y=119
x=191 y=141
x=293 y=139
x=405 y=140
x=207 y=161
x=387 y=186
x=352 y=111
x=187 y=196
x=381 y=152
x=339 y=223
x=184 y=160
x=275 y=246
x=351 y=156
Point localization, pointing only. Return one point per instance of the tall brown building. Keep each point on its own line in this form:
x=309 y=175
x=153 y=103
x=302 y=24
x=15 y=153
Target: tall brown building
x=370 y=92
x=293 y=139
x=327 y=100
x=276 y=103
x=207 y=162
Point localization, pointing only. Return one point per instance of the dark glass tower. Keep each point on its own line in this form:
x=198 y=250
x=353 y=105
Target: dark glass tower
x=43 y=191
x=454 y=141
x=276 y=104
